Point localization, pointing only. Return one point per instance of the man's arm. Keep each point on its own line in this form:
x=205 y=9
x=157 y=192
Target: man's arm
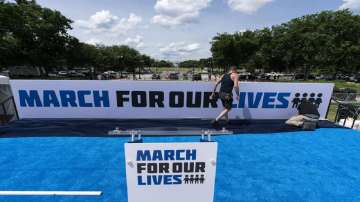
x=236 y=85
x=215 y=87
x=217 y=83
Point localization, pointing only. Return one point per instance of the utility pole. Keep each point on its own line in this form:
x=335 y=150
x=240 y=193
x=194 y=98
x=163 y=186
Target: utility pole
x=141 y=64
x=121 y=66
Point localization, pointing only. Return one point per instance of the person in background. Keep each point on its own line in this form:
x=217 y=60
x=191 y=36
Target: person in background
x=229 y=82
x=307 y=111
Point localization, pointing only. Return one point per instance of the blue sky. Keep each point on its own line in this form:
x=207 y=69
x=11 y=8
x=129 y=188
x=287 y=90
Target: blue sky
x=179 y=29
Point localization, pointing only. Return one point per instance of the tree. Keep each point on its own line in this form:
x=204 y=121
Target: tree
x=39 y=35
x=323 y=42
x=223 y=50
x=163 y=63
x=35 y=36
x=189 y=63
x=81 y=54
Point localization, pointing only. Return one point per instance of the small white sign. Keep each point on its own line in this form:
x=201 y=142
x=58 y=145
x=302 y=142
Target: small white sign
x=176 y=172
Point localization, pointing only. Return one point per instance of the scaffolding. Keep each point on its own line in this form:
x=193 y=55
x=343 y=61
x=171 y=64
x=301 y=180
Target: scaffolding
x=136 y=135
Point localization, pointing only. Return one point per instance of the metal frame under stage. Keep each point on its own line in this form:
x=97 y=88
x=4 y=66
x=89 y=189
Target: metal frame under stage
x=102 y=127
x=136 y=135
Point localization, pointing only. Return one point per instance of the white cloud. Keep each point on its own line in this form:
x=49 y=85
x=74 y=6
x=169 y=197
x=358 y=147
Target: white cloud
x=353 y=5
x=247 y=6
x=105 y=22
x=177 y=12
x=93 y=41
x=136 y=42
x=176 y=49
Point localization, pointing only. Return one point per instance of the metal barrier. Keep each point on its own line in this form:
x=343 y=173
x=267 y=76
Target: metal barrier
x=5 y=115
x=347 y=106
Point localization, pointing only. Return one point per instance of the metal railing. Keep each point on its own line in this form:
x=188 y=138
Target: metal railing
x=345 y=106
x=5 y=114
x=345 y=96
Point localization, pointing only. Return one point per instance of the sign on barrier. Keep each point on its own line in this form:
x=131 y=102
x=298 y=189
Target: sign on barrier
x=161 y=99
x=176 y=172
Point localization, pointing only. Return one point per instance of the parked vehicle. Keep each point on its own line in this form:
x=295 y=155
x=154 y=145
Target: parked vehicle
x=174 y=76
x=124 y=75
x=52 y=74
x=329 y=77
x=109 y=75
x=343 y=77
x=319 y=77
x=82 y=70
x=302 y=76
x=357 y=78
x=196 y=77
x=146 y=71
x=24 y=71
x=244 y=76
x=62 y=73
x=76 y=74
x=146 y=76
x=155 y=77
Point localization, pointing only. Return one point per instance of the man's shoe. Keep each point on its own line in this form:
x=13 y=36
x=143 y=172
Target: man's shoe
x=215 y=123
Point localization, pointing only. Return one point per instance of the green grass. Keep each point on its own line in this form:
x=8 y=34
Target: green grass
x=338 y=83
x=173 y=69
x=332 y=112
x=345 y=84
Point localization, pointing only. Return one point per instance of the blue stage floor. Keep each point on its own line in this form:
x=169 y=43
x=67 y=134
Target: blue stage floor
x=323 y=165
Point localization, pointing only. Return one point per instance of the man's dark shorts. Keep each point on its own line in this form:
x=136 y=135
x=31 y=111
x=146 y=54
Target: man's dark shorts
x=226 y=99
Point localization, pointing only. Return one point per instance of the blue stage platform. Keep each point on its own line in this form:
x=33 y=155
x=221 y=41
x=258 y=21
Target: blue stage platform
x=321 y=165
x=100 y=127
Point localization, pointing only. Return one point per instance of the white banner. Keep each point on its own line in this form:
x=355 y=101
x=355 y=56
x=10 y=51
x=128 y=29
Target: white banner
x=176 y=172
x=161 y=99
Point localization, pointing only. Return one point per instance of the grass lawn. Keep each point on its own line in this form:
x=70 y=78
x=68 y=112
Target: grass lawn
x=332 y=112
x=173 y=69
x=338 y=83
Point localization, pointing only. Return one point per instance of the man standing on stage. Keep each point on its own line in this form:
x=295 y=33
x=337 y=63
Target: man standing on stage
x=228 y=82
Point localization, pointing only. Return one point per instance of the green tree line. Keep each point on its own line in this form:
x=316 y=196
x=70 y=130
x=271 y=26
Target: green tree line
x=327 y=42
x=205 y=62
x=32 y=35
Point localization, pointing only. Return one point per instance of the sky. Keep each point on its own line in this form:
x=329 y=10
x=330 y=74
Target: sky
x=178 y=30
